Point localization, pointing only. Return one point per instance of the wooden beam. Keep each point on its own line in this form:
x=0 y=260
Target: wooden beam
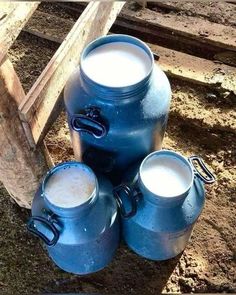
x=168 y=37
x=214 y=11
x=174 y=63
x=41 y=100
x=13 y=17
x=195 y=69
x=194 y=28
x=21 y=167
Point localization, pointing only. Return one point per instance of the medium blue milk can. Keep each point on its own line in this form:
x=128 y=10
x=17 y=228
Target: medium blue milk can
x=160 y=201
x=75 y=215
x=117 y=103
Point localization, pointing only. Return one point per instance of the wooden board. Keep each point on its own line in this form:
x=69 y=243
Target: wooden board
x=21 y=166
x=13 y=17
x=174 y=64
x=41 y=100
x=164 y=36
x=215 y=11
x=194 y=28
x=197 y=70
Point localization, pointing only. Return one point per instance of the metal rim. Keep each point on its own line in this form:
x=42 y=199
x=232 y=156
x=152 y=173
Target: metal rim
x=173 y=154
x=58 y=168
x=102 y=41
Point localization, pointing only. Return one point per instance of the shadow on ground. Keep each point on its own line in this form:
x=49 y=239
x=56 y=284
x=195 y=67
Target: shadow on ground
x=26 y=269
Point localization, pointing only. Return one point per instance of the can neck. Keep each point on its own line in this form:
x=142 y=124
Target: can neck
x=79 y=209
x=78 y=212
x=165 y=178
x=165 y=202
x=113 y=93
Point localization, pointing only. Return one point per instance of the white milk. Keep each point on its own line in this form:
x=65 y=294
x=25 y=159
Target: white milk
x=166 y=177
x=117 y=64
x=70 y=187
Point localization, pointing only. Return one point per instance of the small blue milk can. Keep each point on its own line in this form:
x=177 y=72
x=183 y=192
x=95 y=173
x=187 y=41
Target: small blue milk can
x=161 y=203
x=80 y=234
x=116 y=126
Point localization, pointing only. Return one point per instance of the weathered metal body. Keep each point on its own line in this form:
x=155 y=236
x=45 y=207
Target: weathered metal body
x=115 y=127
x=80 y=239
x=156 y=227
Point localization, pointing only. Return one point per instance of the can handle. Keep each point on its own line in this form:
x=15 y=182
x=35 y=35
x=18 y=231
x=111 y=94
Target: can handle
x=49 y=224
x=129 y=193
x=89 y=121
x=210 y=176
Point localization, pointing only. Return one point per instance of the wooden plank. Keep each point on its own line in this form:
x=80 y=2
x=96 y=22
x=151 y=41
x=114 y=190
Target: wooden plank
x=192 y=27
x=197 y=70
x=165 y=37
x=41 y=100
x=13 y=17
x=21 y=167
x=215 y=11
x=175 y=64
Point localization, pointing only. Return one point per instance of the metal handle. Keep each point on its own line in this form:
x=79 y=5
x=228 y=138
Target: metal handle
x=210 y=177
x=32 y=228
x=128 y=191
x=90 y=122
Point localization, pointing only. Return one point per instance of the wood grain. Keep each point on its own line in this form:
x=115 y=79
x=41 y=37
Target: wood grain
x=195 y=69
x=215 y=11
x=41 y=100
x=21 y=167
x=13 y=17
x=174 y=63
x=194 y=28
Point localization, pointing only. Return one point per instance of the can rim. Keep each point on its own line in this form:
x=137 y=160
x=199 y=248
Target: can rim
x=117 y=38
x=180 y=158
x=59 y=167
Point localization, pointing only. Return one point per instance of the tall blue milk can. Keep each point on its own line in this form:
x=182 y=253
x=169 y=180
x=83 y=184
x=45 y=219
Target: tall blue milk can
x=160 y=201
x=117 y=103
x=75 y=215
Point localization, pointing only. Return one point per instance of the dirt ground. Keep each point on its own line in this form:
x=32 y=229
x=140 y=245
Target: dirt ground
x=215 y=11
x=198 y=124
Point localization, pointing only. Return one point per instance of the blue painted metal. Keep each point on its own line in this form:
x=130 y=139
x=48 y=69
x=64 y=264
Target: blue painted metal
x=81 y=239
x=117 y=126
x=157 y=227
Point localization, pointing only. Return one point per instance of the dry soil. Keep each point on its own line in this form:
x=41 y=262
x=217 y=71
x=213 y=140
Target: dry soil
x=196 y=125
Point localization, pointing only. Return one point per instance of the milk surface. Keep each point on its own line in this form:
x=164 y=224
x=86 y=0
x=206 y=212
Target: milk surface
x=70 y=187
x=117 y=64
x=166 y=177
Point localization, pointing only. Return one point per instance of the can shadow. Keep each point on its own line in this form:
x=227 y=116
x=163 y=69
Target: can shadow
x=127 y=274
x=141 y=275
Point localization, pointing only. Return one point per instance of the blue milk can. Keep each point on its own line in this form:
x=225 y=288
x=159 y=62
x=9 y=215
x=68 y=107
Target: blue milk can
x=117 y=103
x=75 y=215
x=161 y=203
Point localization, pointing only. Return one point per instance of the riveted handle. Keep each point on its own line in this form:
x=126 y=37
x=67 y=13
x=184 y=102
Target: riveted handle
x=210 y=178
x=49 y=224
x=89 y=121
x=129 y=193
